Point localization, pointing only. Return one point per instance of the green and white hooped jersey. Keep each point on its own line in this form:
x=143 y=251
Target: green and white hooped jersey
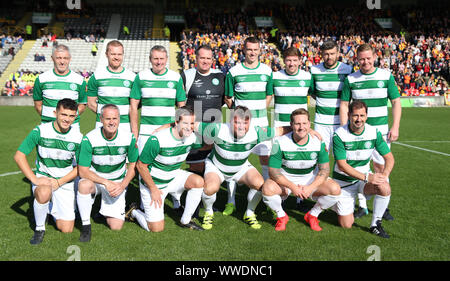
x=50 y=88
x=114 y=88
x=249 y=87
x=290 y=92
x=164 y=155
x=228 y=153
x=108 y=158
x=374 y=89
x=298 y=162
x=328 y=85
x=356 y=149
x=159 y=95
x=55 y=151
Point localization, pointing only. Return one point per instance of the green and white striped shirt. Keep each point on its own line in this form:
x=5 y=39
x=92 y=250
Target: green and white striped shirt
x=108 y=158
x=249 y=87
x=290 y=93
x=164 y=155
x=374 y=89
x=55 y=151
x=159 y=95
x=356 y=149
x=328 y=83
x=50 y=88
x=114 y=88
x=230 y=154
x=298 y=162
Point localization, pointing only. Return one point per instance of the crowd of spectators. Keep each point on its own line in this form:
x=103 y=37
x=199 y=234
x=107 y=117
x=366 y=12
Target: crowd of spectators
x=227 y=49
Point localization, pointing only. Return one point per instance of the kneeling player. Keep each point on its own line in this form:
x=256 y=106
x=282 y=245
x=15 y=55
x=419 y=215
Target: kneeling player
x=103 y=169
x=160 y=173
x=299 y=165
x=57 y=144
x=353 y=145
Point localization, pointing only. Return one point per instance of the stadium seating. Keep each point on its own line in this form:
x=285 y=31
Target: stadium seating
x=137 y=53
x=82 y=59
x=138 y=20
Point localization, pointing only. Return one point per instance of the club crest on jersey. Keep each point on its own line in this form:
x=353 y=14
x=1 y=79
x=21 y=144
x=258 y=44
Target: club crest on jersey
x=367 y=144
x=380 y=84
x=313 y=155
x=215 y=81
x=126 y=83
x=73 y=86
x=71 y=146
x=121 y=150
x=170 y=85
x=263 y=78
x=302 y=83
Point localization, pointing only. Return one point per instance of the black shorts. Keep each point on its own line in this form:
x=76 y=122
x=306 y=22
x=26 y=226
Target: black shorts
x=197 y=156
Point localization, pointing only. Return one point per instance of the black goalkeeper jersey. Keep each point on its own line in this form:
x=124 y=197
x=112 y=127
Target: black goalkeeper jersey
x=205 y=92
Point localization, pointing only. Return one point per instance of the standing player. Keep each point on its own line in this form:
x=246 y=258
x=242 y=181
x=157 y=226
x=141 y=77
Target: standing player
x=103 y=169
x=374 y=86
x=328 y=79
x=160 y=90
x=233 y=143
x=205 y=89
x=59 y=83
x=290 y=87
x=111 y=85
x=250 y=83
x=57 y=145
x=160 y=173
x=353 y=147
x=299 y=165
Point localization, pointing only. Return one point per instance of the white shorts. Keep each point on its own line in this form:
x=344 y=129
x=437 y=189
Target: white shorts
x=376 y=157
x=211 y=168
x=263 y=148
x=154 y=213
x=63 y=201
x=346 y=202
x=113 y=207
x=326 y=131
x=302 y=181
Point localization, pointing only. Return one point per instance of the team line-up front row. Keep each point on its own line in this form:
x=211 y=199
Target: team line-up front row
x=105 y=160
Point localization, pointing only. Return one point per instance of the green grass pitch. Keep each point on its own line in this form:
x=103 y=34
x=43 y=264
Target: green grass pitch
x=420 y=192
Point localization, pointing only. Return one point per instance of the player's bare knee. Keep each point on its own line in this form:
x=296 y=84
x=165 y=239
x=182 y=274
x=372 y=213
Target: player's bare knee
x=346 y=222
x=43 y=194
x=384 y=190
x=65 y=227
x=268 y=188
x=85 y=186
x=156 y=228
x=334 y=189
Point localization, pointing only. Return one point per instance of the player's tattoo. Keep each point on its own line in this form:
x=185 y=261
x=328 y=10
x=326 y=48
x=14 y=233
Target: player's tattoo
x=324 y=170
x=274 y=174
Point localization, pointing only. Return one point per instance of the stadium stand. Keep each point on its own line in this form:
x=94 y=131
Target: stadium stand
x=82 y=59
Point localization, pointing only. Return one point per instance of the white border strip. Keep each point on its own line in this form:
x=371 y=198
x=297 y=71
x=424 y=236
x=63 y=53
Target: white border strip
x=428 y=150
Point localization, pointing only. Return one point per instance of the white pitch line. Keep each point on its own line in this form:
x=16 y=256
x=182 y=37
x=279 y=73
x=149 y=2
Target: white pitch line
x=431 y=141
x=420 y=148
x=10 y=173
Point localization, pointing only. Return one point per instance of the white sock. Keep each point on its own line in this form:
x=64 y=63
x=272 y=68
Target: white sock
x=380 y=203
x=208 y=202
x=84 y=202
x=40 y=214
x=140 y=217
x=193 y=198
x=274 y=202
x=231 y=191
x=323 y=203
x=265 y=172
x=362 y=200
x=253 y=197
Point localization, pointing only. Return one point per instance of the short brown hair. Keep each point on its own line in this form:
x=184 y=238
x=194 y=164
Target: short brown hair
x=251 y=40
x=356 y=104
x=114 y=43
x=365 y=47
x=291 y=52
x=299 y=111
